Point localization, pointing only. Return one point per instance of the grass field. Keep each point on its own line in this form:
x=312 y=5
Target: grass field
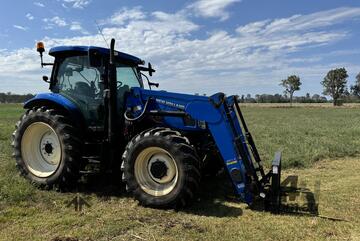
x=318 y=144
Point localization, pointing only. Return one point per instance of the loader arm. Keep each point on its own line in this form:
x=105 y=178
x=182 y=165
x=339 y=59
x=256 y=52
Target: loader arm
x=225 y=123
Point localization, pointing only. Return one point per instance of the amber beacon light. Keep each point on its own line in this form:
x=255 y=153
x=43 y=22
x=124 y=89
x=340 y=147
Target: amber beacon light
x=40 y=47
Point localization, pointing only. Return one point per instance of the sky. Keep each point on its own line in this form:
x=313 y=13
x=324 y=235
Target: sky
x=200 y=46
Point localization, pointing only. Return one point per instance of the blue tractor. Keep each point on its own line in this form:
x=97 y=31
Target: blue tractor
x=157 y=142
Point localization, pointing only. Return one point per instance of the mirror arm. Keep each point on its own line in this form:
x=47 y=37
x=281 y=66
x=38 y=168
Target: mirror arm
x=42 y=62
x=150 y=83
x=147 y=69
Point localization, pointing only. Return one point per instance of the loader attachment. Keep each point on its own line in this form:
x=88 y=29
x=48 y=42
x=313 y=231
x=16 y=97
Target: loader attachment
x=241 y=157
x=273 y=200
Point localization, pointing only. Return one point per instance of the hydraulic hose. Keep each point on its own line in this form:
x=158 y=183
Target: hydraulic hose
x=139 y=116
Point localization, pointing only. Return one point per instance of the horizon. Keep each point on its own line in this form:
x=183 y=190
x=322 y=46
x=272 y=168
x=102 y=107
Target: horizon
x=205 y=46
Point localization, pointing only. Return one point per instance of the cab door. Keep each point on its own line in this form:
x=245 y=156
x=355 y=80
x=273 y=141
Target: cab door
x=81 y=83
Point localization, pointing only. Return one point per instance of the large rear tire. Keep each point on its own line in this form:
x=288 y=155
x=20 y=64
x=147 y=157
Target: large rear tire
x=161 y=169
x=47 y=149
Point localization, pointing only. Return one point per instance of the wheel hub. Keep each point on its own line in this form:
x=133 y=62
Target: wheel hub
x=48 y=148
x=158 y=169
x=161 y=168
x=49 y=145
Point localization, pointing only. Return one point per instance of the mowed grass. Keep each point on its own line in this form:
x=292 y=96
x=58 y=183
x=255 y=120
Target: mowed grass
x=323 y=142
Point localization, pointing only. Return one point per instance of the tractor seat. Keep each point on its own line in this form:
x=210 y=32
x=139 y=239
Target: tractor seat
x=83 y=88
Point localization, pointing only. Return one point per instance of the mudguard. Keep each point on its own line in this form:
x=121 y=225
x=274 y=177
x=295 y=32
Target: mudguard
x=55 y=100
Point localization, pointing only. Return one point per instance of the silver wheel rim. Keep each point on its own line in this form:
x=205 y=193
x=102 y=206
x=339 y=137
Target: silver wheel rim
x=41 y=149
x=150 y=183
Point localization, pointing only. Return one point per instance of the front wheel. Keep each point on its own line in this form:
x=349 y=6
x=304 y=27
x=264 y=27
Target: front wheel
x=161 y=169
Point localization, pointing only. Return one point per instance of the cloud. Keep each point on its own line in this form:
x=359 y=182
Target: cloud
x=55 y=21
x=20 y=27
x=29 y=16
x=252 y=58
x=76 y=26
x=79 y=4
x=39 y=4
x=124 y=15
x=212 y=8
x=300 y=22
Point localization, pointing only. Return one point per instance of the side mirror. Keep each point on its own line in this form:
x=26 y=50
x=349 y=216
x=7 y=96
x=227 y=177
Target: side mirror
x=151 y=70
x=46 y=79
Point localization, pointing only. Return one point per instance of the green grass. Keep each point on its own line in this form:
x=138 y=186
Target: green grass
x=12 y=188
x=323 y=141
x=305 y=135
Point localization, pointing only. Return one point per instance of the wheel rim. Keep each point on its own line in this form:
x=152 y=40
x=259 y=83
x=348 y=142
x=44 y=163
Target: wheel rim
x=156 y=171
x=41 y=149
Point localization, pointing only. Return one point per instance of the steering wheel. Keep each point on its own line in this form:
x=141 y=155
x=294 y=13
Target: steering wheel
x=119 y=84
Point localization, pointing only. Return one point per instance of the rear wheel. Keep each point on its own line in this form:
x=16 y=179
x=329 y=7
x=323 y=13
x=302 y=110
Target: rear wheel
x=161 y=169
x=47 y=148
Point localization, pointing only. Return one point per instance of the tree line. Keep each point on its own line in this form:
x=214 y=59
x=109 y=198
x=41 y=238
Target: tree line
x=14 y=98
x=278 y=98
x=334 y=85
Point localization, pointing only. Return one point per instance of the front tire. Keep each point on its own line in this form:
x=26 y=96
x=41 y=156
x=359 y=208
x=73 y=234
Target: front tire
x=161 y=169
x=47 y=149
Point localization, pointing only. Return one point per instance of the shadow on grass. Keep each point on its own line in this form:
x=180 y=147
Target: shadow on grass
x=104 y=186
x=296 y=200
x=211 y=200
x=214 y=195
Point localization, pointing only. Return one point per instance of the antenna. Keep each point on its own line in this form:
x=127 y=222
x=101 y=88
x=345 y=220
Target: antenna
x=100 y=31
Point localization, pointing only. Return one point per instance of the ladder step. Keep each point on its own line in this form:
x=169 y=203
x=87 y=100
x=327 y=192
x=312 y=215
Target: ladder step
x=91 y=157
x=92 y=161
x=88 y=172
x=96 y=128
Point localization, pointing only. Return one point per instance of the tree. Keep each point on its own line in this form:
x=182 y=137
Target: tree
x=355 y=89
x=315 y=98
x=335 y=84
x=291 y=84
x=242 y=100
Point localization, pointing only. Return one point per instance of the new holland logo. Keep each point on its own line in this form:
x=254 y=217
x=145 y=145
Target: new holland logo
x=168 y=103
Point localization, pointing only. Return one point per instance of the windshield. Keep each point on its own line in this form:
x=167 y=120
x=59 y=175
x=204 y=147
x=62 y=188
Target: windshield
x=127 y=76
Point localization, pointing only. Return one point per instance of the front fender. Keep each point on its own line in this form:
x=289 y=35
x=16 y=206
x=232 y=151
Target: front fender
x=56 y=101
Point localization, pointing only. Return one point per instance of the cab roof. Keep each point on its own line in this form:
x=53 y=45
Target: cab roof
x=64 y=50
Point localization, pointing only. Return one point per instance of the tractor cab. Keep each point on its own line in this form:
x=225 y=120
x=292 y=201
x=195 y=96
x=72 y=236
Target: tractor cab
x=80 y=74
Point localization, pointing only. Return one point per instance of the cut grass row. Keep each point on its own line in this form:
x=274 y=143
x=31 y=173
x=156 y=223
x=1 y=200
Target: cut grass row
x=212 y=217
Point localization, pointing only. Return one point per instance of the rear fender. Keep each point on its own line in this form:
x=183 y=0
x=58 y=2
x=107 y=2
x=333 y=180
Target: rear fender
x=59 y=102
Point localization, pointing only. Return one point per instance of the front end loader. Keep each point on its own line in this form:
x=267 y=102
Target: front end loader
x=158 y=143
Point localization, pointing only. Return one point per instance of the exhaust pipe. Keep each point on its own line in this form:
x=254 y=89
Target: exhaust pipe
x=112 y=96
